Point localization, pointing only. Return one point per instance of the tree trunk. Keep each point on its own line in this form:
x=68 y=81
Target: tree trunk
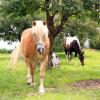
x=51 y=37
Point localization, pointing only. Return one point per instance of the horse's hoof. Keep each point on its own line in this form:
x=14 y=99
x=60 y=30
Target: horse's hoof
x=33 y=84
x=41 y=91
x=29 y=80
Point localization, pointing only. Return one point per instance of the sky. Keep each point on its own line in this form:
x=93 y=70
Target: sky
x=5 y=45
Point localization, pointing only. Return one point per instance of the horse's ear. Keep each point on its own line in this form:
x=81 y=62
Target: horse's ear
x=33 y=23
x=44 y=22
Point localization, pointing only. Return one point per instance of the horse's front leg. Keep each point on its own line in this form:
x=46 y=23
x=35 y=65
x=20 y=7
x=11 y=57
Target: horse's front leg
x=42 y=74
x=69 y=57
x=75 y=54
x=30 y=73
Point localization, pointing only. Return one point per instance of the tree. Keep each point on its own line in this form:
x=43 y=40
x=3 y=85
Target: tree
x=63 y=9
x=83 y=28
x=56 y=12
x=15 y=16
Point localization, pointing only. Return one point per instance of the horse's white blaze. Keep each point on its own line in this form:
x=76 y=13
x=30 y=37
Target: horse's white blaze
x=40 y=41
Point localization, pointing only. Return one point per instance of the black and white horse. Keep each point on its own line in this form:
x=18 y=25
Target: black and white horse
x=72 y=44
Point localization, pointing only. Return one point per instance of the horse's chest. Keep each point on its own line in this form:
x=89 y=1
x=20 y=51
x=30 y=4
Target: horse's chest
x=33 y=54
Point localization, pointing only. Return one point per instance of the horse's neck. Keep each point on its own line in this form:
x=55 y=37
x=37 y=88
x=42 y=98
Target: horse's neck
x=79 y=51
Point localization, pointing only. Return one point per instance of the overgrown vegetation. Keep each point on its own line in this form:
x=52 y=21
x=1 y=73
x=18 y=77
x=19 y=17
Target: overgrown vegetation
x=13 y=80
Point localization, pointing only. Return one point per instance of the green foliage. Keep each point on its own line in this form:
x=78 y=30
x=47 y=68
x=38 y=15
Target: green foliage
x=20 y=7
x=95 y=41
x=71 y=6
x=16 y=15
x=58 y=43
x=5 y=51
x=83 y=28
x=94 y=7
x=11 y=29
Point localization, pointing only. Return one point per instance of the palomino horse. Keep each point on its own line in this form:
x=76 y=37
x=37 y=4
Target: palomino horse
x=34 y=46
x=72 y=44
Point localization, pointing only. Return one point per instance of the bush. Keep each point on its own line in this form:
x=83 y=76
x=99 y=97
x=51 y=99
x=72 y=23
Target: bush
x=95 y=42
x=5 y=51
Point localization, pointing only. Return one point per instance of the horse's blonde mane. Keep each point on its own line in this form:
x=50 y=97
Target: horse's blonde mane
x=40 y=28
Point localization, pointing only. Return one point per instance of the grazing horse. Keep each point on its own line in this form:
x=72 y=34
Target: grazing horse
x=72 y=44
x=34 y=47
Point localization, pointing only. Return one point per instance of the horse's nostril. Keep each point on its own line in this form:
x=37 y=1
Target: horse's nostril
x=40 y=50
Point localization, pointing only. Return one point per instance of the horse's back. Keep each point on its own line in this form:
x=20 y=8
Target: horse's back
x=69 y=40
x=74 y=46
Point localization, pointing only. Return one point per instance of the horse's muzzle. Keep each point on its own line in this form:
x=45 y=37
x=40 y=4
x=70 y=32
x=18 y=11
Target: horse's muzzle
x=82 y=62
x=40 y=48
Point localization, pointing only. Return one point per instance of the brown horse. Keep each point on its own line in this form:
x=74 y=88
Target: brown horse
x=34 y=46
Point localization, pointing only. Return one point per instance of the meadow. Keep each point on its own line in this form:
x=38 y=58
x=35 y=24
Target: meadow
x=59 y=82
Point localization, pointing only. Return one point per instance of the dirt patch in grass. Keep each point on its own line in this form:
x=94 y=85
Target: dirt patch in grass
x=87 y=84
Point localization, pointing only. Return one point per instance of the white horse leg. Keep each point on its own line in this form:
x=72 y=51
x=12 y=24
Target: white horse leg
x=75 y=61
x=29 y=78
x=68 y=58
x=30 y=74
x=42 y=75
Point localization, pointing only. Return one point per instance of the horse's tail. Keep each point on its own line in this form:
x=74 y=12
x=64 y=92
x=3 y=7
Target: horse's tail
x=15 y=55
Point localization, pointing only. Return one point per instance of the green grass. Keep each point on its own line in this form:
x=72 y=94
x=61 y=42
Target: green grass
x=13 y=80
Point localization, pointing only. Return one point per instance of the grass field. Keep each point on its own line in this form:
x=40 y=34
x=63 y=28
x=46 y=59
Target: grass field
x=58 y=81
